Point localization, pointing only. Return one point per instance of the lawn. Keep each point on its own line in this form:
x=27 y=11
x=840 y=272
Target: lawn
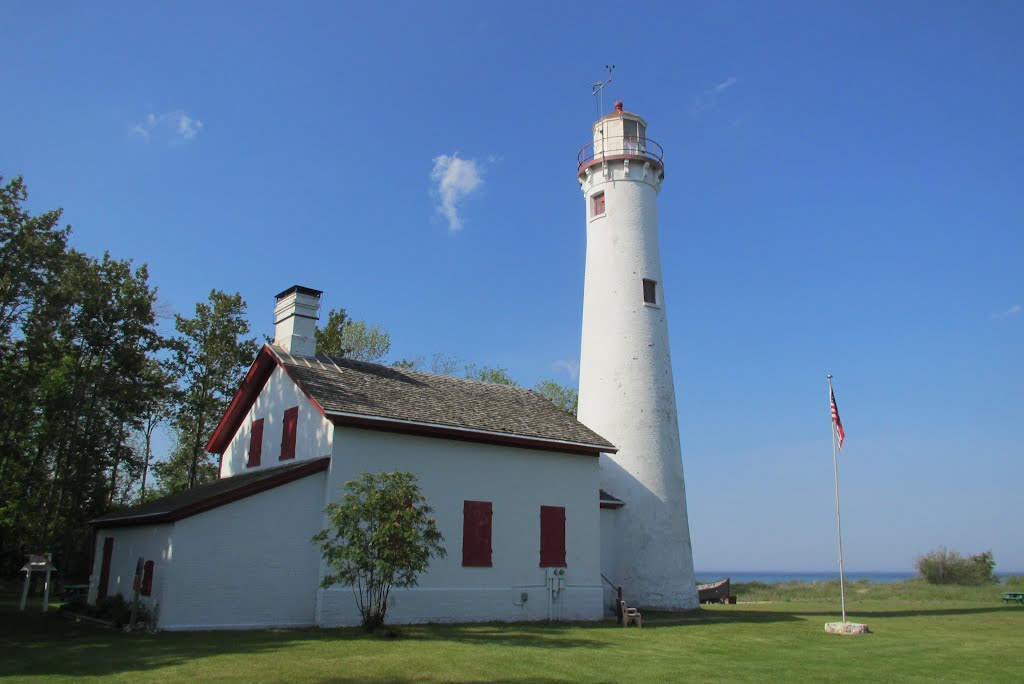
x=950 y=639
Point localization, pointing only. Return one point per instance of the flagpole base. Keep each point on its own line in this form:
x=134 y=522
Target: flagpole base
x=846 y=628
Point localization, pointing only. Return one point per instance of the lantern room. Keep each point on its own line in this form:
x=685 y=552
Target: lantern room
x=620 y=135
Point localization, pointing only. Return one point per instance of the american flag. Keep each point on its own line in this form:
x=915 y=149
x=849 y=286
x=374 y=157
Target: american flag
x=835 y=417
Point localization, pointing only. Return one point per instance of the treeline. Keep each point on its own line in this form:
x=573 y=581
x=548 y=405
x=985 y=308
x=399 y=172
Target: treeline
x=86 y=379
x=87 y=383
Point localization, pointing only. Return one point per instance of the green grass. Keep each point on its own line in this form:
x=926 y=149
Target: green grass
x=961 y=638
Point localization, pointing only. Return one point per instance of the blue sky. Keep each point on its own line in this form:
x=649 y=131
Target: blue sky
x=844 y=194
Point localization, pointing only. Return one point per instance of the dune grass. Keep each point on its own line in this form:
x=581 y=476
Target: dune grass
x=913 y=590
x=956 y=639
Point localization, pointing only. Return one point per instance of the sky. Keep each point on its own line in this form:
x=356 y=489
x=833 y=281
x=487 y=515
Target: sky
x=844 y=194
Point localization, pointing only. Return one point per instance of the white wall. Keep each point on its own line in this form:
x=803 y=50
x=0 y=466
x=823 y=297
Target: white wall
x=150 y=542
x=517 y=482
x=249 y=563
x=313 y=438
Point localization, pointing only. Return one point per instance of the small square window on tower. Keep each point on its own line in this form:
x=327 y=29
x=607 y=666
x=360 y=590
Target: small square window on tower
x=597 y=204
x=650 y=291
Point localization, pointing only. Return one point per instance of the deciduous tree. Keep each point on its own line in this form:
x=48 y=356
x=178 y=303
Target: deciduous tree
x=210 y=355
x=352 y=339
x=381 y=536
x=565 y=398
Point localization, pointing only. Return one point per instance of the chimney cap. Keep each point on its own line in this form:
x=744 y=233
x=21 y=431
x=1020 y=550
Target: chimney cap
x=299 y=289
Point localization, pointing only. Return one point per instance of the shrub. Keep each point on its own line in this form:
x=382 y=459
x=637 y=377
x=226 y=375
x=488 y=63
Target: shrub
x=949 y=567
x=381 y=535
x=115 y=609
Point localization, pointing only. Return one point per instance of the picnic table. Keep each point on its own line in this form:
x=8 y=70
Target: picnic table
x=1017 y=596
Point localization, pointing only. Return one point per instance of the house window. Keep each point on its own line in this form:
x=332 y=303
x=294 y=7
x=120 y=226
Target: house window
x=476 y=534
x=291 y=421
x=597 y=204
x=147 y=578
x=650 y=291
x=255 y=443
x=552 y=537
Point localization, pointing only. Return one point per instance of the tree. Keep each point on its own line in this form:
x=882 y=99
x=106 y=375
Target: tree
x=381 y=536
x=209 y=358
x=565 y=398
x=949 y=567
x=352 y=339
x=496 y=375
x=79 y=364
x=159 y=410
x=328 y=336
x=31 y=248
x=440 y=364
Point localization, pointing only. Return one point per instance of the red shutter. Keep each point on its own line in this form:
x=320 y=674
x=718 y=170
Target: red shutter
x=147 y=578
x=291 y=421
x=255 y=443
x=552 y=537
x=108 y=551
x=476 y=534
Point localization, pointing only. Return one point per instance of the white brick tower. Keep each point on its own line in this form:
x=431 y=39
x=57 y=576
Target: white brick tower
x=626 y=389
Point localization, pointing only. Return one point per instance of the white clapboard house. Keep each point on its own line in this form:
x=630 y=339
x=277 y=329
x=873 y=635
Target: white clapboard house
x=514 y=482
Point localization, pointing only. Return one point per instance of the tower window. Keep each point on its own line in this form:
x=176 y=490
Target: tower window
x=650 y=291
x=597 y=204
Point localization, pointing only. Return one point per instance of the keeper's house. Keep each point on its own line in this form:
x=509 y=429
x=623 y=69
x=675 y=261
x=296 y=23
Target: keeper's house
x=513 y=480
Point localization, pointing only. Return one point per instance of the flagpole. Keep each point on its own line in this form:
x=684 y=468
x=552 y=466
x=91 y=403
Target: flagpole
x=839 y=525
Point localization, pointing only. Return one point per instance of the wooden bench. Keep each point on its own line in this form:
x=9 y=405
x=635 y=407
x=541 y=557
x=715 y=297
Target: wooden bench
x=630 y=615
x=1017 y=596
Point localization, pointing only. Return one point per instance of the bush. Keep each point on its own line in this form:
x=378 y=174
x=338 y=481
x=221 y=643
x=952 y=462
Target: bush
x=115 y=609
x=949 y=567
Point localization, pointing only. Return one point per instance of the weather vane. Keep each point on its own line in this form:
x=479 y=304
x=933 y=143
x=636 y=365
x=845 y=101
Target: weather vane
x=598 y=90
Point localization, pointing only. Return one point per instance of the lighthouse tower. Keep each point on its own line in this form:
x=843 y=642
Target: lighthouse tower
x=626 y=390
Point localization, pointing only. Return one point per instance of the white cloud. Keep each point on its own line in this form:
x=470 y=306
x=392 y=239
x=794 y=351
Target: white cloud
x=709 y=98
x=172 y=127
x=456 y=179
x=1014 y=310
x=570 y=366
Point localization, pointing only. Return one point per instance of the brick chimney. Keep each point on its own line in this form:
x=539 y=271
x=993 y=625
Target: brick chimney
x=295 y=317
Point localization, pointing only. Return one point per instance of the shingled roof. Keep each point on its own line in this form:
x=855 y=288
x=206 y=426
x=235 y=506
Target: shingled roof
x=180 y=505
x=373 y=396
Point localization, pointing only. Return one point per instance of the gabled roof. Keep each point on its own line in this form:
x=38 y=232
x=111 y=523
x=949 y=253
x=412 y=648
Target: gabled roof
x=181 y=505
x=372 y=396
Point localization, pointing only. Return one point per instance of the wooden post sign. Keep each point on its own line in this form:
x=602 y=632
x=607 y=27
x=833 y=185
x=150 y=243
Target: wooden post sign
x=37 y=562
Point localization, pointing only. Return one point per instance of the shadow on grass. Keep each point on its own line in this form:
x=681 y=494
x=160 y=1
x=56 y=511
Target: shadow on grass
x=53 y=645
x=56 y=646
